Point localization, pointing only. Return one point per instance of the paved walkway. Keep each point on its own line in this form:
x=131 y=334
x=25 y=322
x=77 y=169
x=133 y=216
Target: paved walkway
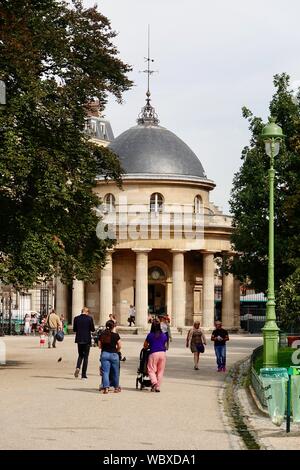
x=42 y=405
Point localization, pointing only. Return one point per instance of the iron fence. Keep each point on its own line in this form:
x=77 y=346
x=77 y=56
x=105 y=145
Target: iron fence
x=255 y=379
x=16 y=304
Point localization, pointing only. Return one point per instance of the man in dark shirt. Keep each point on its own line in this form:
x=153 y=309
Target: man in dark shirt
x=219 y=337
x=83 y=325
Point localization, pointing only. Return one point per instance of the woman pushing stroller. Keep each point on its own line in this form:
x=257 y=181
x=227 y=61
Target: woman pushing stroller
x=110 y=345
x=156 y=341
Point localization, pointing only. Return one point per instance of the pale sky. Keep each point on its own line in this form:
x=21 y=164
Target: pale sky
x=213 y=57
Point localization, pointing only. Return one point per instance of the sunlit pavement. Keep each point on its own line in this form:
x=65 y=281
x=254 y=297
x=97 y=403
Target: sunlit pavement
x=42 y=405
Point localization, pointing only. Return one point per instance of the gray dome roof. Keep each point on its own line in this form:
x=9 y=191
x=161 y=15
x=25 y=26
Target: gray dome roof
x=152 y=149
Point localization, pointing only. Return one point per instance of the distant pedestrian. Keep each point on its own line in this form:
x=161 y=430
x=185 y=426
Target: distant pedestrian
x=196 y=340
x=54 y=325
x=42 y=339
x=34 y=323
x=27 y=324
x=112 y=318
x=43 y=327
x=131 y=315
x=64 y=324
x=83 y=326
x=110 y=345
x=156 y=341
x=165 y=328
x=220 y=337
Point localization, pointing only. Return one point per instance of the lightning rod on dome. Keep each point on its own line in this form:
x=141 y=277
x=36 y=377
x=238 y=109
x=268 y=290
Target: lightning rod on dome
x=148 y=115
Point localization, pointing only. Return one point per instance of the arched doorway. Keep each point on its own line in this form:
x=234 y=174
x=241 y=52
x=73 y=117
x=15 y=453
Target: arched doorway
x=156 y=291
x=157 y=298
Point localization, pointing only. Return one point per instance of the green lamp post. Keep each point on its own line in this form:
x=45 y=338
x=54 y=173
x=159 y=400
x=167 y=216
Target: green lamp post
x=272 y=136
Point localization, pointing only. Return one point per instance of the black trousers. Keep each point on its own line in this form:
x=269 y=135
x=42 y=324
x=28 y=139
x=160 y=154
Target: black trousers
x=131 y=319
x=83 y=355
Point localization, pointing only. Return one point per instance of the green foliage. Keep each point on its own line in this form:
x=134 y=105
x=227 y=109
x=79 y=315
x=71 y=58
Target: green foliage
x=288 y=301
x=55 y=58
x=250 y=196
x=284 y=358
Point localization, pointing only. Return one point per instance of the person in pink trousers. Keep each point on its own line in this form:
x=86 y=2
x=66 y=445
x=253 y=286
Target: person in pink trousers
x=156 y=341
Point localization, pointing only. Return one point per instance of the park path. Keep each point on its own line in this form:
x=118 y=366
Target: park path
x=42 y=405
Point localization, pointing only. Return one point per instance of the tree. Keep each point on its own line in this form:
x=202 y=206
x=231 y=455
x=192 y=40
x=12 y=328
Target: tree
x=55 y=58
x=250 y=196
x=288 y=302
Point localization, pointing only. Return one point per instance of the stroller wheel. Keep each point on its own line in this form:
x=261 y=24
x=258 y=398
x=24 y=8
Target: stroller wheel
x=141 y=385
x=137 y=383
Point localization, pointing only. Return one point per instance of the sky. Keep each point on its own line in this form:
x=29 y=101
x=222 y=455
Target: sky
x=212 y=57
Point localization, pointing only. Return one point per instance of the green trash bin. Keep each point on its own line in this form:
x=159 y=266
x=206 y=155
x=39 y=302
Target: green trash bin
x=295 y=392
x=274 y=381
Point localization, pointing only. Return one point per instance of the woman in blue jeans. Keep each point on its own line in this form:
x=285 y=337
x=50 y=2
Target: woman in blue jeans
x=110 y=345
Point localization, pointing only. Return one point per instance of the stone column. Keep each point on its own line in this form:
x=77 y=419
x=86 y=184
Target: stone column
x=106 y=289
x=61 y=298
x=198 y=302
x=178 y=289
x=208 y=290
x=237 y=306
x=228 y=301
x=77 y=298
x=141 y=287
x=169 y=299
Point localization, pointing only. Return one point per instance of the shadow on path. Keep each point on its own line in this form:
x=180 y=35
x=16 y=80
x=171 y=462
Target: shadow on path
x=51 y=377
x=15 y=365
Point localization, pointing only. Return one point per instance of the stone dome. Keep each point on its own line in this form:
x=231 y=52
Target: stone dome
x=149 y=149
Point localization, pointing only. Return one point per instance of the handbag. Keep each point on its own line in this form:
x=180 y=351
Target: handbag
x=60 y=335
x=200 y=347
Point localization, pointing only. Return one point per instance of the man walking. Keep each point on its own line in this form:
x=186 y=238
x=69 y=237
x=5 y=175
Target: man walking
x=131 y=315
x=54 y=324
x=83 y=326
x=219 y=337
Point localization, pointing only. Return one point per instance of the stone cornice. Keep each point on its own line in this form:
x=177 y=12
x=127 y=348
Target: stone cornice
x=164 y=179
x=141 y=250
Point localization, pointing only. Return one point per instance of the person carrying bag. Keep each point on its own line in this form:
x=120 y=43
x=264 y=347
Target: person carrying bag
x=196 y=340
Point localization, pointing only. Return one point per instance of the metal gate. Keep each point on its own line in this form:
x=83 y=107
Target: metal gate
x=253 y=318
x=15 y=304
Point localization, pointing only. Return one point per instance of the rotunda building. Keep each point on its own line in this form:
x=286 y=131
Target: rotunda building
x=168 y=234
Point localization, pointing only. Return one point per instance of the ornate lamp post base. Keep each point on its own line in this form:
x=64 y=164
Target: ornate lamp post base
x=270 y=335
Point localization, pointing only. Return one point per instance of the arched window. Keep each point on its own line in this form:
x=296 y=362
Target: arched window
x=198 y=207
x=156 y=202
x=109 y=202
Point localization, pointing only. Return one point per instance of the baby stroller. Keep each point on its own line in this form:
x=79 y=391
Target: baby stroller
x=142 y=379
x=95 y=335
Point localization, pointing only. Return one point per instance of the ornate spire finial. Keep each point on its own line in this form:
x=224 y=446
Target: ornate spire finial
x=148 y=114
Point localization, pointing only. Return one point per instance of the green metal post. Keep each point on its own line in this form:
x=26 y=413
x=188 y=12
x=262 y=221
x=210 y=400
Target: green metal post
x=288 y=405
x=270 y=329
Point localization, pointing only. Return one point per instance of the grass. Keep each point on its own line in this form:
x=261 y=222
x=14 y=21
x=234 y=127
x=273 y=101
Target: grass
x=284 y=358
